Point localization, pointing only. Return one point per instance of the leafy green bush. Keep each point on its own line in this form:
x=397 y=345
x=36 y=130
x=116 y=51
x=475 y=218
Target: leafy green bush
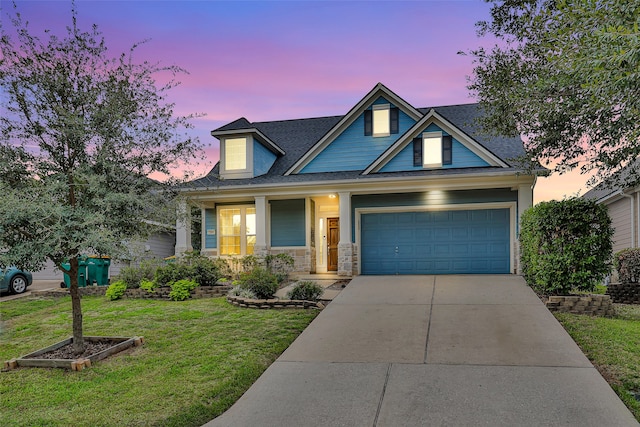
x=565 y=245
x=133 y=275
x=148 y=285
x=116 y=290
x=259 y=281
x=306 y=291
x=627 y=263
x=193 y=267
x=181 y=289
x=280 y=265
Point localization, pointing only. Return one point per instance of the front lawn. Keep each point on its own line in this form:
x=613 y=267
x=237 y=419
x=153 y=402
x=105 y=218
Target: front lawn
x=199 y=357
x=613 y=346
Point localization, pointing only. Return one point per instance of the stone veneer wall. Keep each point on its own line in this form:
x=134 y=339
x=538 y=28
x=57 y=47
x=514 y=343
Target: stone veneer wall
x=624 y=293
x=355 y=260
x=301 y=257
x=594 y=305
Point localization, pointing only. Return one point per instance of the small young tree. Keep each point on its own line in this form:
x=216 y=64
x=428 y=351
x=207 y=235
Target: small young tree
x=565 y=245
x=80 y=134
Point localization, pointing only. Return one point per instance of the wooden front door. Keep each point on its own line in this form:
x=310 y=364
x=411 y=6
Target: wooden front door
x=333 y=231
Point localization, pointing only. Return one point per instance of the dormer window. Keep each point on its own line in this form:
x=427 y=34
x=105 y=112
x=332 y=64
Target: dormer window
x=433 y=150
x=235 y=155
x=381 y=120
x=236 y=158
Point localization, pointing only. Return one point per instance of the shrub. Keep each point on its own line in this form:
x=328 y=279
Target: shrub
x=261 y=282
x=116 y=290
x=148 y=285
x=307 y=291
x=627 y=263
x=280 y=265
x=193 y=267
x=133 y=275
x=181 y=290
x=237 y=291
x=565 y=245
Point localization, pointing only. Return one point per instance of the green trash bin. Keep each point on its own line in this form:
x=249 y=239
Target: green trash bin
x=82 y=272
x=98 y=270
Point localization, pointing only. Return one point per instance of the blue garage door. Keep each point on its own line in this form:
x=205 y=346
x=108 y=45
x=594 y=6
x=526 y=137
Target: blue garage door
x=439 y=242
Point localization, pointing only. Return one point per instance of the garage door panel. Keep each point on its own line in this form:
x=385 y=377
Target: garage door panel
x=438 y=242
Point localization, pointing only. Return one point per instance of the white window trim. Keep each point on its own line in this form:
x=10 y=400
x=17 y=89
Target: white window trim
x=427 y=160
x=380 y=107
x=247 y=172
x=243 y=228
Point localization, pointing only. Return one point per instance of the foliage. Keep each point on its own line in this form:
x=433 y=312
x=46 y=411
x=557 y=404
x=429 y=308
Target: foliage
x=199 y=357
x=306 y=291
x=134 y=275
x=565 y=245
x=565 y=74
x=193 y=267
x=237 y=291
x=627 y=263
x=260 y=281
x=148 y=285
x=116 y=290
x=80 y=133
x=181 y=290
x=280 y=265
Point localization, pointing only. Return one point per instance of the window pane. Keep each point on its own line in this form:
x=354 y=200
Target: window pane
x=235 y=152
x=432 y=150
x=230 y=231
x=381 y=121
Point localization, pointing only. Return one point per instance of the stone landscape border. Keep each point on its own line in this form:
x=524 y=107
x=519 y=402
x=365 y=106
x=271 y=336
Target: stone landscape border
x=624 y=293
x=274 y=303
x=121 y=343
x=593 y=305
x=160 y=293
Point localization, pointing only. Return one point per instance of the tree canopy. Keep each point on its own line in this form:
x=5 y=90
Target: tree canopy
x=566 y=76
x=80 y=135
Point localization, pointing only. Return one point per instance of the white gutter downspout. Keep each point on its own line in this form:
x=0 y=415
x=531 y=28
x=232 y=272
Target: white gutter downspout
x=633 y=218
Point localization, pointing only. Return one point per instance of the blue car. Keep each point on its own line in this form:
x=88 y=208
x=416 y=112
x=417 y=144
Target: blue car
x=14 y=280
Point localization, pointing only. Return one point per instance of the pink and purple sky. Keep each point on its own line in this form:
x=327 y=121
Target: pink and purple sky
x=277 y=60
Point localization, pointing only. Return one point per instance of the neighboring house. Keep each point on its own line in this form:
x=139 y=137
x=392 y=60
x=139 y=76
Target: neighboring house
x=385 y=189
x=159 y=245
x=624 y=208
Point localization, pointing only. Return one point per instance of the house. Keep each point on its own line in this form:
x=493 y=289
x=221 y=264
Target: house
x=386 y=188
x=623 y=205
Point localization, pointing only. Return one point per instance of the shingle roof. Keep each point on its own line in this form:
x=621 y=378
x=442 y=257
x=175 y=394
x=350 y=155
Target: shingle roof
x=296 y=137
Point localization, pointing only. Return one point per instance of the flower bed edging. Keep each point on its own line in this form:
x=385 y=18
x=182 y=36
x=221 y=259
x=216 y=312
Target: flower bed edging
x=274 y=303
x=30 y=360
x=593 y=305
x=624 y=293
x=160 y=293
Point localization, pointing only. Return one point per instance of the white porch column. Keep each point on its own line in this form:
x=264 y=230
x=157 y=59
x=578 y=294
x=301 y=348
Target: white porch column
x=525 y=201
x=345 y=246
x=183 y=228
x=260 y=248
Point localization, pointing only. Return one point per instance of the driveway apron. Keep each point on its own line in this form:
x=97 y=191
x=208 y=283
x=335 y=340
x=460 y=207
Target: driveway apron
x=431 y=351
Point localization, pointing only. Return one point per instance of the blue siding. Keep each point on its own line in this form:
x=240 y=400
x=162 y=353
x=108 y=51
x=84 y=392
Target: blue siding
x=351 y=150
x=288 y=222
x=262 y=159
x=430 y=198
x=462 y=157
x=440 y=242
x=210 y=223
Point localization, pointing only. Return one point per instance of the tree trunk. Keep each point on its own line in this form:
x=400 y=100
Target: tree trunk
x=76 y=309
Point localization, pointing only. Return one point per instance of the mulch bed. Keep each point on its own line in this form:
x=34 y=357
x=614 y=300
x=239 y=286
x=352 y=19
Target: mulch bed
x=66 y=352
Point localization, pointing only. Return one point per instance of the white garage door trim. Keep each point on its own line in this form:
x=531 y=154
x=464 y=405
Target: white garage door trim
x=512 y=206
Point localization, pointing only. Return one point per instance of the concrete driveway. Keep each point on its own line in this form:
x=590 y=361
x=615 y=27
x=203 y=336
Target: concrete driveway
x=431 y=351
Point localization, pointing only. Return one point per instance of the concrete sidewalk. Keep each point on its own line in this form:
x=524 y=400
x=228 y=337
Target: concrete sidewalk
x=431 y=351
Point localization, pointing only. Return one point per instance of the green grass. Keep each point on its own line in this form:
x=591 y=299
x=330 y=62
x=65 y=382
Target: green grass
x=199 y=357
x=613 y=346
